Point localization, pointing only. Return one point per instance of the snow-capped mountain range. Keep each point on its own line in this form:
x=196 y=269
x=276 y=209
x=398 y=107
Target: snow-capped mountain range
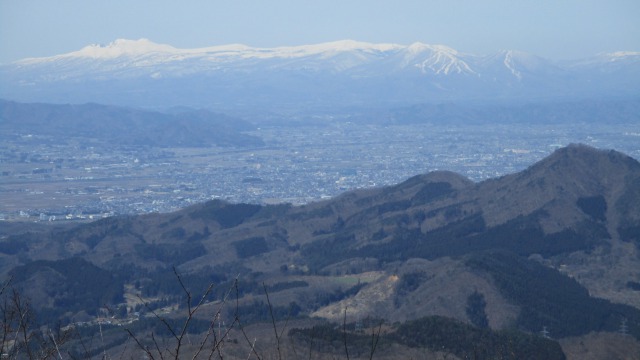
x=143 y=73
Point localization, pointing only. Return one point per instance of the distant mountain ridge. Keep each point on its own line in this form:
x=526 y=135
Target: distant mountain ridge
x=142 y=73
x=124 y=126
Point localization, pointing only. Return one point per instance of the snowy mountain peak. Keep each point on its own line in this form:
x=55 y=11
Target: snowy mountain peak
x=344 y=72
x=517 y=56
x=621 y=54
x=348 y=45
x=611 y=60
x=520 y=62
x=418 y=47
x=115 y=49
x=437 y=59
x=122 y=47
x=329 y=49
x=511 y=60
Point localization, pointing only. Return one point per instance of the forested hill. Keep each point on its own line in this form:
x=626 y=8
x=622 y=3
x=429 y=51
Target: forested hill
x=553 y=247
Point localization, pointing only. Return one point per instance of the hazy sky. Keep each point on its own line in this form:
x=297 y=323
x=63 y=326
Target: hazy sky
x=555 y=29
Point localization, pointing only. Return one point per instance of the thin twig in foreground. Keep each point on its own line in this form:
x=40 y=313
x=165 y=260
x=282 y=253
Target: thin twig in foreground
x=273 y=321
x=344 y=332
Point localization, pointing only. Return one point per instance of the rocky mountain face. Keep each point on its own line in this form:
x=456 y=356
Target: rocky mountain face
x=554 y=246
x=343 y=73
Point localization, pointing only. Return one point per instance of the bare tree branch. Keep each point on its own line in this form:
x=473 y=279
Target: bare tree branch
x=344 y=333
x=375 y=337
x=145 y=349
x=273 y=321
x=237 y=319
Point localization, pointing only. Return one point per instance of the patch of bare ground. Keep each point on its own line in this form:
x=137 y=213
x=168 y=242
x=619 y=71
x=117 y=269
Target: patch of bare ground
x=445 y=286
x=377 y=295
x=601 y=346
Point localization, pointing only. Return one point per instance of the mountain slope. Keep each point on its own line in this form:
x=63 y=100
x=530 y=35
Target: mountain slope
x=422 y=247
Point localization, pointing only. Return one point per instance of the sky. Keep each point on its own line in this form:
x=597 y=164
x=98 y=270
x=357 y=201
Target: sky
x=554 y=29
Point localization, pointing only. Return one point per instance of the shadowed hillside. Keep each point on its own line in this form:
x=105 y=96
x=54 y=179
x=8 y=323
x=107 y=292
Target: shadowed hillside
x=552 y=247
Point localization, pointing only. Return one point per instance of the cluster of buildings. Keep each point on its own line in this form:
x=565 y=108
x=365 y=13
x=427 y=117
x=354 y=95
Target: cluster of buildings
x=46 y=180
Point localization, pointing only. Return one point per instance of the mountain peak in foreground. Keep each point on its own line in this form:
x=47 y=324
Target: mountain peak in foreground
x=582 y=164
x=586 y=154
x=555 y=246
